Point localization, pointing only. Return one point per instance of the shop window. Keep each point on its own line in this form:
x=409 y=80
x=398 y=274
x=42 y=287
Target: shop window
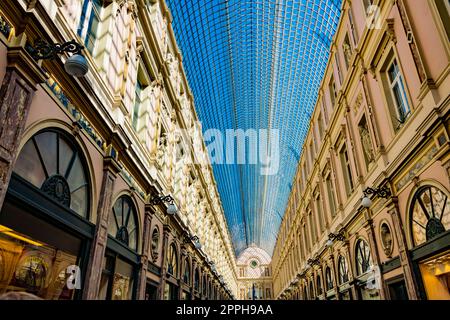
x=342 y=270
x=89 y=23
x=155 y=244
x=197 y=280
x=363 y=257
x=319 y=285
x=170 y=291
x=430 y=214
x=329 y=278
x=187 y=272
x=204 y=285
x=33 y=266
x=53 y=163
x=123 y=222
x=172 y=263
x=311 y=291
x=117 y=281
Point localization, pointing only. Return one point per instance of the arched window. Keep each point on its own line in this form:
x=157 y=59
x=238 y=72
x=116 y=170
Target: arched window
x=51 y=161
x=311 y=290
x=204 y=285
x=155 y=244
x=319 y=285
x=197 y=280
x=123 y=222
x=172 y=265
x=328 y=278
x=363 y=257
x=430 y=214
x=187 y=271
x=342 y=270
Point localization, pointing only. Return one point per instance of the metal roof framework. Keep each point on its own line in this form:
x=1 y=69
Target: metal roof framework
x=255 y=64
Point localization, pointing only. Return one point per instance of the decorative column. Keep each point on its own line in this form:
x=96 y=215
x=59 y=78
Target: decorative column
x=142 y=280
x=403 y=253
x=351 y=276
x=166 y=232
x=16 y=93
x=94 y=270
x=375 y=254
x=335 y=276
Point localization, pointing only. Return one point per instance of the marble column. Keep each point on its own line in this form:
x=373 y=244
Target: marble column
x=20 y=82
x=97 y=254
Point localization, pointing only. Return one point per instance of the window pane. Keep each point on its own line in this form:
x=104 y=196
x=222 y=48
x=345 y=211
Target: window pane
x=65 y=154
x=46 y=142
x=79 y=200
x=76 y=177
x=28 y=165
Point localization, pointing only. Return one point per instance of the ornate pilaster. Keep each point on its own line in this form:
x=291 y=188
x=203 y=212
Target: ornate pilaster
x=405 y=260
x=16 y=93
x=142 y=281
x=94 y=270
x=166 y=233
x=375 y=254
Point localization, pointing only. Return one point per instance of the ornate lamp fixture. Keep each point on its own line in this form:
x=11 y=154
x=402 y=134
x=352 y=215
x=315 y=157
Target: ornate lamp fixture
x=382 y=192
x=76 y=65
x=335 y=237
x=171 y=209
x=313 y=261
x=188 y=238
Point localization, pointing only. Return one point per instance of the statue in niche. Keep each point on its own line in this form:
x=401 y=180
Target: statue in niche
x=366 y=142
x=160 y=157
x=347 y=53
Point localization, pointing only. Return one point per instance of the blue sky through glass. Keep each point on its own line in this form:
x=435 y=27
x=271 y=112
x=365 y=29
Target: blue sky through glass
x=255 y=65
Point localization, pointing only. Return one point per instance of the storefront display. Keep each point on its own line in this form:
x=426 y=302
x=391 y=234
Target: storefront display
x=33 y=266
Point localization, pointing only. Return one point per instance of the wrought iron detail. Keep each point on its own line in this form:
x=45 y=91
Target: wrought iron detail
x=382 y=192
x=43 y=50
x=161 y=199
x=339 y=236
x=57 y=188
x=189 y=238
x=122 y=235
x=434 y=228
x=314 y=261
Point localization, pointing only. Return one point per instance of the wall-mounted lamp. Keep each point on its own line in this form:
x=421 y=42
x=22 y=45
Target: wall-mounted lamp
x=194 y=239
x=171 y=209
x=313 y=261
x=382 y=192
x=76 y=65
x=213 y=266
x=335 y=237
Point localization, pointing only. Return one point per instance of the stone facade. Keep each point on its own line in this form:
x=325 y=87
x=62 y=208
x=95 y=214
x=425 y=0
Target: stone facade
x=380 y=121
x=131 y=118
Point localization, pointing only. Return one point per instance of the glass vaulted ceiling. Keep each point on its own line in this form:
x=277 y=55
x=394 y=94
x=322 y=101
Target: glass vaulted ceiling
x=255 y=65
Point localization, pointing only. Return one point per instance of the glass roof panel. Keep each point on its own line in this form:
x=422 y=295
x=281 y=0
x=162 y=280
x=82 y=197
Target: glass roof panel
x=255 y=64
